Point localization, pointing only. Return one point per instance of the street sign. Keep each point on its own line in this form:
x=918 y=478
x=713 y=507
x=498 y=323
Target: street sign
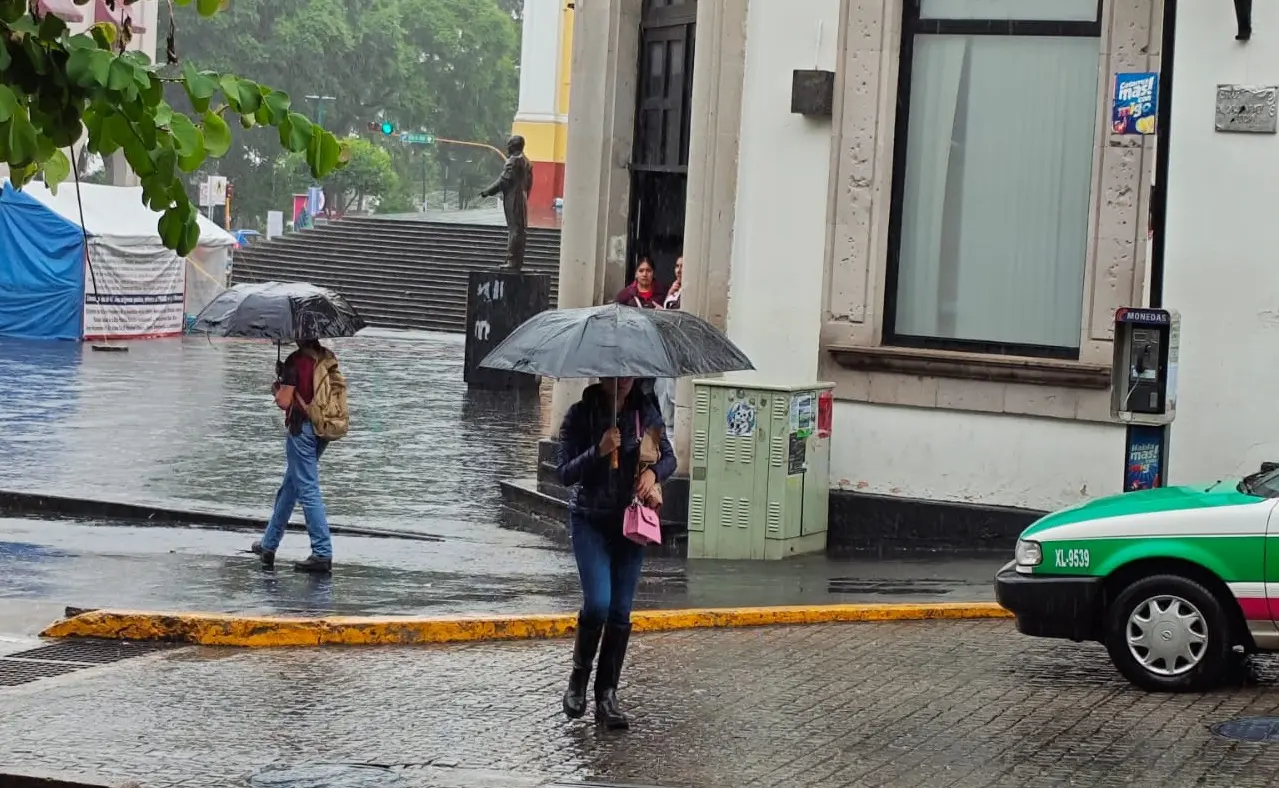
x=216 y=194
x=417 y=138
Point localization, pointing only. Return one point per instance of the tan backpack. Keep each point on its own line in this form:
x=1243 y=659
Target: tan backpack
x=327 y=410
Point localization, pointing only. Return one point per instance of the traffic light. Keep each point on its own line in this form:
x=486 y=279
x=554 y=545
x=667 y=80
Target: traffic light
x=385 y=127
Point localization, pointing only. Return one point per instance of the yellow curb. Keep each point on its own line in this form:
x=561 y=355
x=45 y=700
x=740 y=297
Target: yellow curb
x=214 y=629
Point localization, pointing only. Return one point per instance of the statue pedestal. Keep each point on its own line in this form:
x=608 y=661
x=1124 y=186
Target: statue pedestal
x=497 y=302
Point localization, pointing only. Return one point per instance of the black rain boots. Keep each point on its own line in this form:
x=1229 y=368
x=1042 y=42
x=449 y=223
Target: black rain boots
x=612 y=655
x=588 y=640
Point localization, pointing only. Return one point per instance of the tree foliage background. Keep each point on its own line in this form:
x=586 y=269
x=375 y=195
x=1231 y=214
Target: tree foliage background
x=449 y=67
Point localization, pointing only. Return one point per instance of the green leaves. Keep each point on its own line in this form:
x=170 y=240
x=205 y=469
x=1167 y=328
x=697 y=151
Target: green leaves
x=244 y=96
x=56 y=170
x=323 y=154
x=277 y=105
x=22 y=143
x=200 y=86
x=187 y=139
x=8 y=103
x=217 y=135
x=295 y=132
x=51 y=27
x=55 y=86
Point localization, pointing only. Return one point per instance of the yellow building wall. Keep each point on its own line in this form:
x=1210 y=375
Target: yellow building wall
x=547 y=141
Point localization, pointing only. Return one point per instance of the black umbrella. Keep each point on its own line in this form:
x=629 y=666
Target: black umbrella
x=616 y=341
x=282 y=311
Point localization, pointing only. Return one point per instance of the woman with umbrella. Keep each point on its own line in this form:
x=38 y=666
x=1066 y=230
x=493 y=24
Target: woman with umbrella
x=614 y=454
x=612 y=419
x=314 y=405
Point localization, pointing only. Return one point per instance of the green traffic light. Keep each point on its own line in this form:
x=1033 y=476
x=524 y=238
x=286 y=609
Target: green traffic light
x=388 y=127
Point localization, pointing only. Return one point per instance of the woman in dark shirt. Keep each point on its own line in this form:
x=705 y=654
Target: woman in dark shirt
x=608 y=563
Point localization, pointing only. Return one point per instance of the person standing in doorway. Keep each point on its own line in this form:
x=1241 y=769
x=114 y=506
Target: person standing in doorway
x=673 y=293
x=296 y=394
x=613 y=415
x=664 y=388
x=645 y=292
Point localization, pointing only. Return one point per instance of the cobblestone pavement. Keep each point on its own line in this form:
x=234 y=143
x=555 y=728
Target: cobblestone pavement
x=922 y=704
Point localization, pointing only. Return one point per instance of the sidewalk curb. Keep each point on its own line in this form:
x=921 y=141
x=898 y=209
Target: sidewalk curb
x=23 y=503
x=214 y=629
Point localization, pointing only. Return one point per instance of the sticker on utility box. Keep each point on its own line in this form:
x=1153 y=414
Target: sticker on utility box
x=741 y=419
x=803 y=414
x=797 y=461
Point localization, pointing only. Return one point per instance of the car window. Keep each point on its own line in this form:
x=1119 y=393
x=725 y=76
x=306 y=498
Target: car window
x=1263 y=483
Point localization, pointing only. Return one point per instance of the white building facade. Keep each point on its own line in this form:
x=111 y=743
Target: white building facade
x=947 y=244
x=1220 y=270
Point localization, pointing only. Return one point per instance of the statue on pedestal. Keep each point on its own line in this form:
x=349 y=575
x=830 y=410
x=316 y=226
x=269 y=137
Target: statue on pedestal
x=515 y=184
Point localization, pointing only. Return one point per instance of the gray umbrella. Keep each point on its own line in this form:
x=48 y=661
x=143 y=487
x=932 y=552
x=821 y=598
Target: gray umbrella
x=283 y=311
x=616 y=341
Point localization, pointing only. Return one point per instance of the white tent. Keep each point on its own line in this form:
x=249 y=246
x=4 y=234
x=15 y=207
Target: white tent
x=133 y=285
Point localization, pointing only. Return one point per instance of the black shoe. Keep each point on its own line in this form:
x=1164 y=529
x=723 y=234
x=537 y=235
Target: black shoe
x=588 y=640
x=608 y=713
x=314 y=565
x=267 y=556
x=612 y=655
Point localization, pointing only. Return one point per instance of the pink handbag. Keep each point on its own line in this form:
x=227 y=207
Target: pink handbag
x=641 y=524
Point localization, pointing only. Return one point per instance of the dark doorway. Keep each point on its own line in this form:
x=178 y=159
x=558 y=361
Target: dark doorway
x=659 y=161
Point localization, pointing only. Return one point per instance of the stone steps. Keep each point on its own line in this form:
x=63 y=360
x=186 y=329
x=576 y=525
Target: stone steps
x=397 y=273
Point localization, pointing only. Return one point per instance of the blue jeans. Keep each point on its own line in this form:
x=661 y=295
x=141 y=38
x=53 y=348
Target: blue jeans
x=301 y=485
x=609 y=567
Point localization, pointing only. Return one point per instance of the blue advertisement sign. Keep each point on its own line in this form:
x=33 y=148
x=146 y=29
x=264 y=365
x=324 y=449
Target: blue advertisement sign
x=1144 y=457
x=1136 y=96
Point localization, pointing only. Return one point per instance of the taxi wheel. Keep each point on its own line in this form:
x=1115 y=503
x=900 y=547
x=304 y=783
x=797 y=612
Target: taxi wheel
x=1167 y=633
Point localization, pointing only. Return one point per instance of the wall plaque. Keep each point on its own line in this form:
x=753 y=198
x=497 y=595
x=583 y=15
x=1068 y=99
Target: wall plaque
x=1247 y=109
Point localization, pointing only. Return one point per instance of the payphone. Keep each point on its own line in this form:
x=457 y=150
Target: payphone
x=1144 y=390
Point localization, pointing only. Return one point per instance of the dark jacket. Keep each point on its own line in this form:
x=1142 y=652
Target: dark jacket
x=600 y=493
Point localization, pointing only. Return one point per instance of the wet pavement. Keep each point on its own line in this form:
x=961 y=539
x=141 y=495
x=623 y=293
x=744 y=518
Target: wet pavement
x=189 y=423
x=58 y=563
x=919 y=704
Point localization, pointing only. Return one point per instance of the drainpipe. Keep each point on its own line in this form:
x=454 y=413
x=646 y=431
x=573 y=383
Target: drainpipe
x=1163 y=122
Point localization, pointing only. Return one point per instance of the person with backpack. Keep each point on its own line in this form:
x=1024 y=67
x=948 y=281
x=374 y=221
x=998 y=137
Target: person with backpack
x=311 y=390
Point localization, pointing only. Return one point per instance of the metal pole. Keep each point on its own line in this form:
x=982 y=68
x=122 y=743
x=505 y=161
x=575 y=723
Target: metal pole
x=321 y=103
x=1162 y=435
x=1163 y=127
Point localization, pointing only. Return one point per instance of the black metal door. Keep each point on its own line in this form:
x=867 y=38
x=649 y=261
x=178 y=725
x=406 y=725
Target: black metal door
x=659 y=160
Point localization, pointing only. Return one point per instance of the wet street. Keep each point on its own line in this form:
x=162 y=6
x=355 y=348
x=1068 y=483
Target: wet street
x=47 y=564
x=190 y=423
x=926 y=704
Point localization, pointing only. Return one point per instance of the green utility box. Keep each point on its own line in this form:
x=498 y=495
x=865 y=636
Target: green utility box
x=760 y=475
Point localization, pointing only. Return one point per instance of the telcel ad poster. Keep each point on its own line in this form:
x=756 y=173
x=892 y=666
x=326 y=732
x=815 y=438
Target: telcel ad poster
x=1136 y=97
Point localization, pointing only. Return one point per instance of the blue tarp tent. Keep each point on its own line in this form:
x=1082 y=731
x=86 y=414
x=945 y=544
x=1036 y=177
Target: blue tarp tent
x=41 y=270
x=124 y=284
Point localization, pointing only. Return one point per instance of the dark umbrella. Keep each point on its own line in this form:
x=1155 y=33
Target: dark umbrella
x=282 y=311
x=616 y=341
